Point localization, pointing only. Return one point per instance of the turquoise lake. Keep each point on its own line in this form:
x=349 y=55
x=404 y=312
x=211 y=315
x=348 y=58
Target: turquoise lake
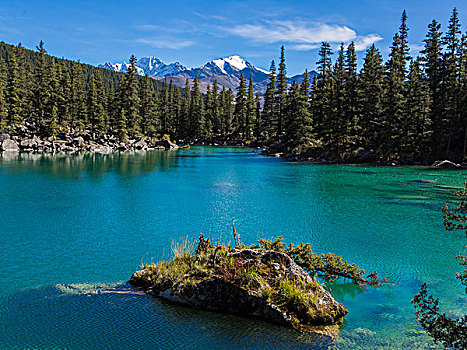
x=74 y=229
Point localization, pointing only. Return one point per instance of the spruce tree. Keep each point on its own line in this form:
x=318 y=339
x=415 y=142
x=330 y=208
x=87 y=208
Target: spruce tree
x=197 y=122
x=185 y=116
x=339 y=124
x=300 y=130
x=370 y=100
x=269 y=108
x=351 y=103
x=13 y=100
x=40 y=84
x=395 y=91
x=417 y=123
x=240 y=108
x=130 y=98
x=258 y=118
x=122 y=126
x=148 y=108
x=281 y=92
x=450 y=92
x=3 y=109
x=216 y=128
x=250 y=120
x=432 y=60
x=78 y=105
x=323 y=105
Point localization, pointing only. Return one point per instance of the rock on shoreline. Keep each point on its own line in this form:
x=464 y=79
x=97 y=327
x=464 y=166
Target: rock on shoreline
x=79 y=142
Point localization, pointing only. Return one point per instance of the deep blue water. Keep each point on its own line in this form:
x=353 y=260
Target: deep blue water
x=74 y=229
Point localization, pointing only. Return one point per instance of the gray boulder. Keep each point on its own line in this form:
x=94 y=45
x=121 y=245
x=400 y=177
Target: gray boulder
x=9 y=146
x=445 y=164
x=361 y=155
x=168 y=144
x=140 y=145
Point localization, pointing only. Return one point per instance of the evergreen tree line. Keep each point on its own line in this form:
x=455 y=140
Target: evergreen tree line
x=404 y=108
x=51 y=93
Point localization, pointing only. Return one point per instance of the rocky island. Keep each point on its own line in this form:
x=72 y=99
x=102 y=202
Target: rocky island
x=266 y=281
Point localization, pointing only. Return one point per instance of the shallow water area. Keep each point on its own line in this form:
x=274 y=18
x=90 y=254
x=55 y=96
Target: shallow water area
x=74 y=228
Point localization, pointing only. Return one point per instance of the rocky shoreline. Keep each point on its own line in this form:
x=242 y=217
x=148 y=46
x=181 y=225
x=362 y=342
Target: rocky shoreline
x=27 y=138
x=317 y=155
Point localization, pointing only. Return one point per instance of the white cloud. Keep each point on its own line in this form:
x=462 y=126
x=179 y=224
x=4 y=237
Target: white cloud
x=304 y=47
x=166 y=44
x=362 y=42
x=304 y=35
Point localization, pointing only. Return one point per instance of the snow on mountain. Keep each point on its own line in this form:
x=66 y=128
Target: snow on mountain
x=150 y=65
x=225 y=70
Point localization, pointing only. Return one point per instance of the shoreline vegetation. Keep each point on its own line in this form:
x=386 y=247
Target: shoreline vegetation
x=271 y=281
x=407 y=110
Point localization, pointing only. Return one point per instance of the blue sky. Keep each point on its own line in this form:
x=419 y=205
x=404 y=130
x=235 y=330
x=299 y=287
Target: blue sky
x=194 y=32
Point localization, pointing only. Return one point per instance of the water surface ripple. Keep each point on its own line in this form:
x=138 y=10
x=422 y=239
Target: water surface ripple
x=74 y=228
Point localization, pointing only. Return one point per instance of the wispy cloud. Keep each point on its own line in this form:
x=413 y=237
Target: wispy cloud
x=303 y=35
x=166 y=44
x=362 y=42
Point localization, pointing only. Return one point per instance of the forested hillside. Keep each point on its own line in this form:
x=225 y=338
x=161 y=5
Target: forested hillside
x=405 y=109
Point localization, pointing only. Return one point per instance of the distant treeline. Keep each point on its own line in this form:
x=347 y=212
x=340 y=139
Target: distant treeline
x=404 y=108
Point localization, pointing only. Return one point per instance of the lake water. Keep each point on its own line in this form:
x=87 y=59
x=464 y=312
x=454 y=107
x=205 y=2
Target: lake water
x=74 y=229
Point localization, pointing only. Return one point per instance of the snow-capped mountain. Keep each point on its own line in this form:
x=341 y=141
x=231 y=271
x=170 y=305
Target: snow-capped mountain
x=150 y=65
x=226 y=71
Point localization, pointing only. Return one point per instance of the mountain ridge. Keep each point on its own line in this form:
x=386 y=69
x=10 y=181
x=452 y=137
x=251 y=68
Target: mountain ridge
x=226 y=70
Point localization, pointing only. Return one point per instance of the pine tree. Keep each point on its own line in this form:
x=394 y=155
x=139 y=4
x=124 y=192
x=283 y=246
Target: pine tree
x=3 y=109
x=370 y=100
x=450 y=92
x=258 y=118
x=209 y=111
x=197 y=122
x=122 y=128
x=432 y=59
x=130 y=98
x=339 y=125
x=227 y=111
x=300 y=130
x=323 y=105
x=185 y=116
x=240 y=108
x=351 y=103
x=64 y=94
x=250 y=120
x=216 y=127
x=416 y=126
x=395 y=90
x=13 y=100
x=92 y=103
x=40 y=84
x=281 y=91
x=53 y=124
x=78 y=106
x=148 y=108
x=269 y=108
